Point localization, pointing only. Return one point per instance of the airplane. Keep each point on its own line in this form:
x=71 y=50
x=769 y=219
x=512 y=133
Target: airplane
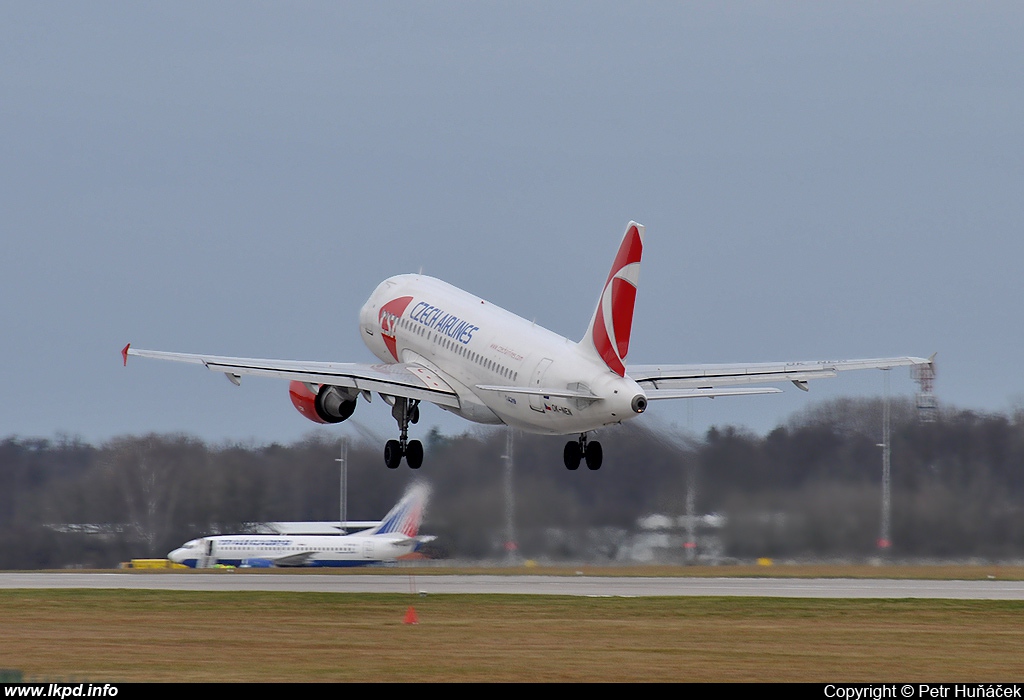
x=393 y=537
x=312 y=527
x=442 y=345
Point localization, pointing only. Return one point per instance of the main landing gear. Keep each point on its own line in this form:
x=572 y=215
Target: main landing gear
x=575 y=450
x=405 y=411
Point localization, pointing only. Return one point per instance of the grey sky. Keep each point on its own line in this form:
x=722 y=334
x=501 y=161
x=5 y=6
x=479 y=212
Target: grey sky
x=818 y=180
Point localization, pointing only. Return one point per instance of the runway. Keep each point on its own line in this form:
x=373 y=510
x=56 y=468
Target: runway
x=594 y=586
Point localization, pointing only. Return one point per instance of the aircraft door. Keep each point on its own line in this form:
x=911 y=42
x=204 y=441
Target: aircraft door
x=368 y=549
x=209 y=553
x=537 y=402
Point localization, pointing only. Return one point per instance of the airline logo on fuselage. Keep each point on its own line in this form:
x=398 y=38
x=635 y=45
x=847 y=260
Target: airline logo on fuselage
x=388 y=318
x=439 y=320
x=432 y=317
x=246 y=542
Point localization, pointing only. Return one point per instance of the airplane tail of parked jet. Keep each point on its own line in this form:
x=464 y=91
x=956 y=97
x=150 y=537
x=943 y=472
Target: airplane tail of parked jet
x=608 y=334
x=407 y=515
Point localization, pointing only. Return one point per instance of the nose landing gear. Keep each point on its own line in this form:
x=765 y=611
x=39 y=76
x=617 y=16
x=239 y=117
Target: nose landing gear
x=577 y=450
x=405 y=411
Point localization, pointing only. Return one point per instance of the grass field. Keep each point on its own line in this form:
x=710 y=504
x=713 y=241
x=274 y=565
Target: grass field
x=99 y=635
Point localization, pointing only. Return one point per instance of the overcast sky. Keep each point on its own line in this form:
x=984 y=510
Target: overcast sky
x=818 y=180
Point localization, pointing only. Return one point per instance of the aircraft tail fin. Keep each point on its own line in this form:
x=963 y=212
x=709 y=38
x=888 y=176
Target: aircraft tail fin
x=608 y=334
x=406 y=516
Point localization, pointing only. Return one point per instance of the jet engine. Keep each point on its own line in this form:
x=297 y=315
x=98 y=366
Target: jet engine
x=329 y=404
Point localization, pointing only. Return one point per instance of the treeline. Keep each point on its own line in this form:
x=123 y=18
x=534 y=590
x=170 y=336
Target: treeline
x=810 y=488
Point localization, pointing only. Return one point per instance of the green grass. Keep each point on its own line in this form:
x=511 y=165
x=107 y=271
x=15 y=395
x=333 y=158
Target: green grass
x=106 y=635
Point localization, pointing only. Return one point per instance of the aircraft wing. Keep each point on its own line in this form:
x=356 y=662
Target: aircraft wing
x=411 y=380
x=300 y=559
x=687 y=381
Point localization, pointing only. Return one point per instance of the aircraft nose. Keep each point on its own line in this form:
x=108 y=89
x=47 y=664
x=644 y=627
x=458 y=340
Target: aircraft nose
x=177 y=555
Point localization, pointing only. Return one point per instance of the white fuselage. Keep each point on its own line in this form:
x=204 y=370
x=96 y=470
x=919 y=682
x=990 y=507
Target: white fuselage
x=472 y=343
x=265 y=550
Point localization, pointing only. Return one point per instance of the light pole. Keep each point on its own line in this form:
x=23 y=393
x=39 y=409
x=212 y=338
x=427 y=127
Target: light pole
x=884 y=539
x=342 y=461
x=511 y=548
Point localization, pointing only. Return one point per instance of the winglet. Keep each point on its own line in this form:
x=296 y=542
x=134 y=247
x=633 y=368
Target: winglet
x=124 y=354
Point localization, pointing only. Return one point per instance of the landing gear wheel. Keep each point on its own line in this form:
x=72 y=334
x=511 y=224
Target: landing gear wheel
x=393 y=454
x=404 y=411
x=572 y=455
x=414 y=454
x=594 y=455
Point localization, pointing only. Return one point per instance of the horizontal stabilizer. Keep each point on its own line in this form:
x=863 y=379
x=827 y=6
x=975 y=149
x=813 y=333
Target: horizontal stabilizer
x=539 y=391
x=708 y=393
x=652 y=377
x=414 y=541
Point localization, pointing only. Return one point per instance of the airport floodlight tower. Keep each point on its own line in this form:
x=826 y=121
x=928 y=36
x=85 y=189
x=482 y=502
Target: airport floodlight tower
x=927 y=406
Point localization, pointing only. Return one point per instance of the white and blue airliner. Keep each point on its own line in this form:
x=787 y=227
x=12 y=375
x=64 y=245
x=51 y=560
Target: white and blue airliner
x=395 y=536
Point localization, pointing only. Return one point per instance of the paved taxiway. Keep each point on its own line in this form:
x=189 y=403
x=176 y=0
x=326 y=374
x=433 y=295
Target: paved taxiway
x=539 y=585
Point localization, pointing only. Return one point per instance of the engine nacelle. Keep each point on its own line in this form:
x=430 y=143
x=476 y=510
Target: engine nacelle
x=331 y=404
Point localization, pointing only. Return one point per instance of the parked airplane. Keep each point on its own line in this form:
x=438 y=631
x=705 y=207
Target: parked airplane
x=312 y=527
x=445 y=346
x=395 y=536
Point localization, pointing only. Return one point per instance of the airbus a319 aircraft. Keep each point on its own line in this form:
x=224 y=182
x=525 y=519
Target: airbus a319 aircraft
x=445 y=346
x=395 y=536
